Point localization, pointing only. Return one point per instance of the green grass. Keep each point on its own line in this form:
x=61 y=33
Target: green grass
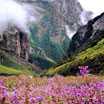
x=10 y=66
x=79 y=59
x=11 y=71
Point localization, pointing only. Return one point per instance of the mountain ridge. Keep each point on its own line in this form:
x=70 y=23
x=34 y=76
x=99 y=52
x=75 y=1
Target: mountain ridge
x=90 y=51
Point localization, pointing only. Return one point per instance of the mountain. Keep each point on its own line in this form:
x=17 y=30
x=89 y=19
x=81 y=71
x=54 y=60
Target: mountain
x=88 y=35
x=14 y=51
x=15 y=41
x=86 y=48
x=50 y=35
x=46 y=42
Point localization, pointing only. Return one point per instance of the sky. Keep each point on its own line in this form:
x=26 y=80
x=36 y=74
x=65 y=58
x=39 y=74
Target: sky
x=96 y=6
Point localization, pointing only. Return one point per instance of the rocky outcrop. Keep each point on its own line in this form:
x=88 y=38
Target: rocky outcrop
x=52 y=27
x=14 y=41
x=66 y=15
x=88 y=35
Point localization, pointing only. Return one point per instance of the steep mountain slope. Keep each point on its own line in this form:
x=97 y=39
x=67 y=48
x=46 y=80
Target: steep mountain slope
x=49 y=38
x=87 y=35
x=93 y=57
x=14 y=52
x=9 y=62
x=86 y=48
x=50 y=35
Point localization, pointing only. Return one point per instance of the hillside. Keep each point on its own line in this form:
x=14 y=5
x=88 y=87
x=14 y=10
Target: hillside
x=48 y=42
x=12 y=65
x=6 y=71
x=87 y=35
x=86 y=48
x=93 y=57
x=50 y=34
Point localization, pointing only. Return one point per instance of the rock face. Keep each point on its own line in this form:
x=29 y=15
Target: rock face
x=51 y=35
x=14 y=41
x=87 y=35
x=67 y=12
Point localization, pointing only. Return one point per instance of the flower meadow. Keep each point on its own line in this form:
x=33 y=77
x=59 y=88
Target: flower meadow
x=83 y=89
x=88 y=89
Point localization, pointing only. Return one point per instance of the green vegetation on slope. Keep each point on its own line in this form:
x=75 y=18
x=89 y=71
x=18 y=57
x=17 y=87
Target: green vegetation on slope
x=80 y=59
x=10 y=65
x=50 y=38
x=11 y=71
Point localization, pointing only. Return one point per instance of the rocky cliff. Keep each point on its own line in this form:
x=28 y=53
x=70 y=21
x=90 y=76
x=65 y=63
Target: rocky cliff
x=88 y=35
x=51 y=34
x=49 y=38
x=16 y=42
x=86 y=48
x=60 y=19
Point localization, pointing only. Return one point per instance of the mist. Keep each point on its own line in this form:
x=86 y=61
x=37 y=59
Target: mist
x=17 y=14
x=95 y=6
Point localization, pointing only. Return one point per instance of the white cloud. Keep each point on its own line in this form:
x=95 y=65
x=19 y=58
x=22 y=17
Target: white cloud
x=14 y=13
x=96 y=6
x=69 y=32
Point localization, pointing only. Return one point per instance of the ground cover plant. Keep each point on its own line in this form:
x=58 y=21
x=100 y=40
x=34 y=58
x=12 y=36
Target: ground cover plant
x=81 y=89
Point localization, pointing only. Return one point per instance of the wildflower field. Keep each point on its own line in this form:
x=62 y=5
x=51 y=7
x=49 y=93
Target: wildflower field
x=87 y=89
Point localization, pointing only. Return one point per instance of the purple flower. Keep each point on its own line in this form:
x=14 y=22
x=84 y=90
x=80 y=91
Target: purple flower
x=3 y=90
x=39 y=98
x=32 y=100
x=14 y=98
x=83 y=70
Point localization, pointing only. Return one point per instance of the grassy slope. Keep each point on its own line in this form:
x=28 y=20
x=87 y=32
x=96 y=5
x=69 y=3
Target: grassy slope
x=10 y=66
x=79 y=59
x=11 y=71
